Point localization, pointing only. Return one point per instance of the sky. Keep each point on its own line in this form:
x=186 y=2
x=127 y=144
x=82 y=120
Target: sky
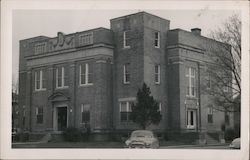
x=31 y=23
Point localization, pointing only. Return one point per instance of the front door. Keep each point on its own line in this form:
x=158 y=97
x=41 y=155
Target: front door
x=191 y=118
x=62 y=118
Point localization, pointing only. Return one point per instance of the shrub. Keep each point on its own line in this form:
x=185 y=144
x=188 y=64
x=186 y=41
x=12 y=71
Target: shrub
x=237 y=130
x=230 y=134
x=23 y=136
x=86 y=134
x=72 y=134
x=223 y=127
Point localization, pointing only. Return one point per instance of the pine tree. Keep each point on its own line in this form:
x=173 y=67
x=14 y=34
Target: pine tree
x=146 y=110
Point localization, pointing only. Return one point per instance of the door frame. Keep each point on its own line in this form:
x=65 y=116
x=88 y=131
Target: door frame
x=195 y=118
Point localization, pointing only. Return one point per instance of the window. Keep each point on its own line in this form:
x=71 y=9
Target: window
x=157 y=74
x=126 y=74
x=125 y=40
x=226 y=82
x=24 y=114
x=157 y=39
x=39 y=115
x=190 y=75
x=40 y=48
x=86 y=74
x=61 y=77
x=225 y=88
x=160 y=107
x=210 y=114
x=125 y=111
x=39 y=80
x=209 y=84
x=227 y=120
x=86 y=39
x=85 y=111
x=191 y=119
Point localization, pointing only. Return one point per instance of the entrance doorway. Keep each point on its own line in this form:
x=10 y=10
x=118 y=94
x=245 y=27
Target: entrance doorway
x=61 y=118
x=191 y=118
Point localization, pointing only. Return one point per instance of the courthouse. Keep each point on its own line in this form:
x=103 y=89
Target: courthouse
x=90 y=78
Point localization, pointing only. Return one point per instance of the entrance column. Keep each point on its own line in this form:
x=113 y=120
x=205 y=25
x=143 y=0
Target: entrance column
x=72 y=91
x=54 y=119
x=49 y=109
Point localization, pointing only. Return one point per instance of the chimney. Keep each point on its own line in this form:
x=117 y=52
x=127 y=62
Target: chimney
x=196 y=31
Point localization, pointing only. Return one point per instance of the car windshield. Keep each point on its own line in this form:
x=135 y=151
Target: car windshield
x=142 y=134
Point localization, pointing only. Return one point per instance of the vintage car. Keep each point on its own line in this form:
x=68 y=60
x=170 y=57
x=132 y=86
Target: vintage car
x=142 y=139
x=235 y=144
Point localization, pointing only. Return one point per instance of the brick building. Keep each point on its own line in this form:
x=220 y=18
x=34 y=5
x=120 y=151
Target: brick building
x=90 y=78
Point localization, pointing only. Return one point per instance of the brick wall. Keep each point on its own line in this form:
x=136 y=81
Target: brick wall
x=97 y=95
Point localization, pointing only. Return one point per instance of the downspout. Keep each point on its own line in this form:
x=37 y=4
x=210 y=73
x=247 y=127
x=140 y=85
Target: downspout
x=199 y=97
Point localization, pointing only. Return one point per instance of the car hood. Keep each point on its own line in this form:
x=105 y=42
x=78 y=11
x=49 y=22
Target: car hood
x=138 y=139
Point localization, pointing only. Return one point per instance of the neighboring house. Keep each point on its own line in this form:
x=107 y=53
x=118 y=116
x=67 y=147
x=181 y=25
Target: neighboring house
x=90 y=78
x=15 y=110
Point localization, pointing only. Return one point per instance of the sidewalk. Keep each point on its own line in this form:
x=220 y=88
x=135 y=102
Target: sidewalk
x=163 y=145
x=196 y=145
x=69 y=145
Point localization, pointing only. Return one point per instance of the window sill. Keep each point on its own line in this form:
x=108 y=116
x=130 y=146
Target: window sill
x=157 y=83
x=191 y=127
x=126 y=47
x=191 y=97
x=86 y=85
x=157 y=47
x=38 y=90
x=64 y=87
x=126 y=82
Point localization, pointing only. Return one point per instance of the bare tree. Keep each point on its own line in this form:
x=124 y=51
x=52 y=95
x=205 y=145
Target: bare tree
x=14 y=84
x=225 y=68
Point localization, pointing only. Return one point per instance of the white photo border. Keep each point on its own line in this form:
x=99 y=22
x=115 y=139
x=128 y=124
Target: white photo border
x=7 y=8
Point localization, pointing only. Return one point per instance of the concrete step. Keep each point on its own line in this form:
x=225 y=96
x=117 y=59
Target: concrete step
x=211 y=140
x=57 y=137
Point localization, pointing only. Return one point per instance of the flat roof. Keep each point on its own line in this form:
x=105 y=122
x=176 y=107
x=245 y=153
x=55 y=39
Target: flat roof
x=141 y=12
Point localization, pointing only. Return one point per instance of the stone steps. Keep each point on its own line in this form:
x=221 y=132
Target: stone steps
x=210 y=140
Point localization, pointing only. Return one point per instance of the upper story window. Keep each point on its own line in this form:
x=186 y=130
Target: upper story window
x=191 y=84
x=40 y=80
x=61 y=77
x=125 y=111
x=225 y=88
x=226 y=84
x=126 y=73
x=39 y=115
x=86 y=39
x=86 y=74
x=157 y=39
x=157 y=74
x=209 y=83
x=125 y=40
x=40 y=48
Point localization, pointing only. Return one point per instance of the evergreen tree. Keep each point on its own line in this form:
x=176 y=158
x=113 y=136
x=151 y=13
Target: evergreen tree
x=146 y=110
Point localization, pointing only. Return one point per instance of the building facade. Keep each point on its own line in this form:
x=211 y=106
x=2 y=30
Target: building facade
x=90 y=78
